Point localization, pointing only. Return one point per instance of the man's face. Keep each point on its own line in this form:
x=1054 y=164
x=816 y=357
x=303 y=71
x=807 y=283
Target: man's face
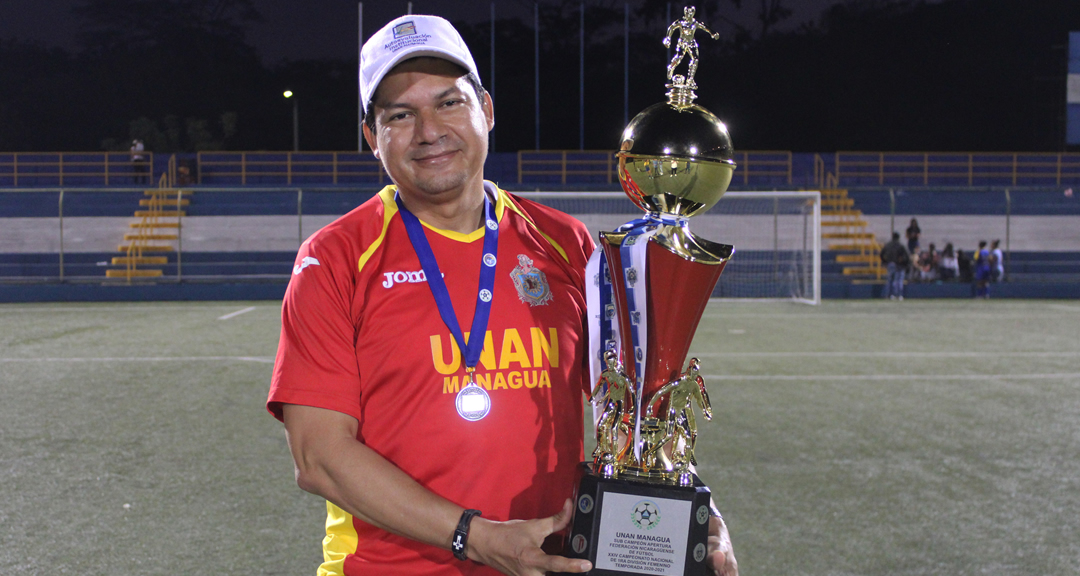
x=430 y=129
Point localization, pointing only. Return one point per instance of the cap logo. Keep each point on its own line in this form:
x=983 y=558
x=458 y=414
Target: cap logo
x=405 y=35
x=404 y=29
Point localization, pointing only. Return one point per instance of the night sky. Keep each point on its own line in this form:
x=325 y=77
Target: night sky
x=874 y=75
x=294 y=30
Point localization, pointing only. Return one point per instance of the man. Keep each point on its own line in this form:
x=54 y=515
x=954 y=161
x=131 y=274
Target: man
x=982 y=271
x=431 y=446
x=896 y=260
x=139 y=167
x=997 y=261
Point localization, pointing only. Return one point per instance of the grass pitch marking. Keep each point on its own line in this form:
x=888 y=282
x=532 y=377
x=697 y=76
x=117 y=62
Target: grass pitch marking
x=109 y=306
x=259 y=359
x=880 y=377
x=237 y=313
x=1033 y=354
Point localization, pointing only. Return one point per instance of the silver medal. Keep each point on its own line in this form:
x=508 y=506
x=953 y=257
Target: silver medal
x=472 y=401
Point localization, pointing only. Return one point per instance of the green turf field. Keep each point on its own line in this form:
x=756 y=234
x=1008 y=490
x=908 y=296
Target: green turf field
x=862 y=438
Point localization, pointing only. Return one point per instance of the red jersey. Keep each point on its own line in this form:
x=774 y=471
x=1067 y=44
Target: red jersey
x=361 y=335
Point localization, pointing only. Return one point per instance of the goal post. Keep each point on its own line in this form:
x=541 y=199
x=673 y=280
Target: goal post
x=776 y=235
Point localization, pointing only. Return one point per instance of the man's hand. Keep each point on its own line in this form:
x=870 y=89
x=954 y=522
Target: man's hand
x=513 y=547
x=721 y=557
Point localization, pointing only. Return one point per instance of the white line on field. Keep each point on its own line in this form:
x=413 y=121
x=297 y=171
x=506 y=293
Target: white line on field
x=830 y=316
x=846 y=377
x=1069 y=354
x=260 y=359
x=8 y=308
x=237 y=313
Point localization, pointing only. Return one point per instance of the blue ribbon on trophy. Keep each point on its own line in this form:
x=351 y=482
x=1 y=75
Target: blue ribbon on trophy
x=604 y=333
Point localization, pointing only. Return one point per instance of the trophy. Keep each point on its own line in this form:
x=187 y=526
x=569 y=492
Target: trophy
x=639 y=508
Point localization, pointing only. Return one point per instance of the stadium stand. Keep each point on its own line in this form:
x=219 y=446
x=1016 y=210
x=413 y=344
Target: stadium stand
x=53 y=205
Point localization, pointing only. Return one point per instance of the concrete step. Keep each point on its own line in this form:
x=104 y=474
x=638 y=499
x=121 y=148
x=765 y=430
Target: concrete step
x=148 y=248
x=861 y=271
x=852 y=223
x=854 y=247
x=144 y=236
x=163 y=202
x=160 y=213
x=869 y=258
x=848 y=235
x=154 y=225
x=135 y=260
x=825 y=213
x=133 y=273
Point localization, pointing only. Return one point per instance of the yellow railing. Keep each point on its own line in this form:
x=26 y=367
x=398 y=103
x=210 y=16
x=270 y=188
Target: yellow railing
x=567 y=164
x=757 y=164
x=293 y=167
x=571 y=165
x=60 y=168
x=953 y=168
x=822 y=177
x=842 y=169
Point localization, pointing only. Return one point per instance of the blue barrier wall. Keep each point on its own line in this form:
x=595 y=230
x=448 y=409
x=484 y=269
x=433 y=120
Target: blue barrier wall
x=291 y=200
x=920 y=201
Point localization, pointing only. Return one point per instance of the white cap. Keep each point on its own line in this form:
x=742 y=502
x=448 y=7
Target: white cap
x=409 y=37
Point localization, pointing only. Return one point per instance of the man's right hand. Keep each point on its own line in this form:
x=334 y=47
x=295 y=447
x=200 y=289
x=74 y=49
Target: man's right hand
x=513 y=547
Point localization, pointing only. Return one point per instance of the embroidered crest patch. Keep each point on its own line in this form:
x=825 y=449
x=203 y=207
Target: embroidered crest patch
x=404 y=29
x=531 y=283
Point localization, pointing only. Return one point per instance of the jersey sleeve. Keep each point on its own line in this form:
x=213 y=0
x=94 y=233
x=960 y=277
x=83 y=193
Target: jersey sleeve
x=316 y=357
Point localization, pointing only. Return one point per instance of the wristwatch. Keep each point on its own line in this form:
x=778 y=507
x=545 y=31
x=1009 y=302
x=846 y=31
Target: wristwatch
x=461 y=534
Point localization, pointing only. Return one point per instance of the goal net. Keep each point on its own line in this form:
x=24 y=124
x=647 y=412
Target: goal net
x=776 y=235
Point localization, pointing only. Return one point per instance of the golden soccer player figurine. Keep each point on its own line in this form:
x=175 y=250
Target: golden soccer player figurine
x=687 y=389
x=687 y=26
x=617 y=394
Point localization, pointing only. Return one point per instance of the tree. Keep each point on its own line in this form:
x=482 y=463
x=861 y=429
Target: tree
x=178 y=59
x=141 y=24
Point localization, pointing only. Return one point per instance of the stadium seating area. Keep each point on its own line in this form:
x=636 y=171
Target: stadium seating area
x=1044 y=221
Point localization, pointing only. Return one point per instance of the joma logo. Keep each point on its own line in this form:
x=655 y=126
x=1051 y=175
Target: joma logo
x=391 y=278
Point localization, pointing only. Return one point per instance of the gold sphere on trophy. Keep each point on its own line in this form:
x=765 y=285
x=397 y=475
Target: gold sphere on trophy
x=676 y=157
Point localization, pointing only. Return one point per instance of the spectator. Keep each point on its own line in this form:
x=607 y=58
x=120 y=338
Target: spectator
x=183 y=175
x=997 y=262
x=929 y=261
x=913 y=232
x=950 y=266
x=139 y=167
x=982 y=271
x=963 y=262
x=896 y=260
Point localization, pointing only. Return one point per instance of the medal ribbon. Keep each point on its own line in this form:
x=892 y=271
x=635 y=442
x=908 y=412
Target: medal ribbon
x=415 y=229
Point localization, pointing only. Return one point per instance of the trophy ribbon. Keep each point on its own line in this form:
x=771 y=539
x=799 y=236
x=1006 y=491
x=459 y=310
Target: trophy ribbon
x=605 y=334
x=472 y=402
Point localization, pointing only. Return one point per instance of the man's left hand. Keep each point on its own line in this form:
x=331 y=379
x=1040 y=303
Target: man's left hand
x=721 y=557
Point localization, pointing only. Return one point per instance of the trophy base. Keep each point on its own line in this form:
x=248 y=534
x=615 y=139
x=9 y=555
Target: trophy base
x=625 y=526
